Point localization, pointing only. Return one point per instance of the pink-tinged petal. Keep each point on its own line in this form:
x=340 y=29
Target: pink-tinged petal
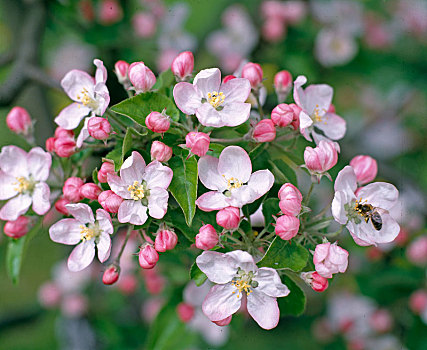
x=299 y=95
x=75 y=81
x=7 y=186
x=260 y=182
x=236 y=90
x=241 y=196
x=39 y=163
x=187 y=98
x=263 y=309
x=304 y=120
x=380 y=194
x=71 y=116
x=338 y=256
x=212 y=201
x=359 y=241
x=84 y=133
x=339 y=212
x=269 y=283
x=104 y=247
x=208 y=174
x=321 y=252
x=209 y=116
x=132 y=168
x=15 y=207
x=66 y=231
x=221 y=302
x=158 y=175
x=133 y=212
x=346 y=180
x=102 y=97
x=219 y=268
x=318 y=97
x=82 y=212
x=118 y=186
x=158 y=202
x=323 y=270
x=208 y=80
x=41 y=196
x=101 y=71
x=104 y=220
x=13 y=161
x=81 y=256
x=243 y=260
x=235 y=162
x=333 y=126
x=234 y=114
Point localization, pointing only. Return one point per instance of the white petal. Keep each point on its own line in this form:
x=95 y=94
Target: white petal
x=13 y=161
x=75 y=81
x=234 y=114
x=260 y=182
x=71 y=116
x=263 y=309
x=220 y=268
x=221 y=302
x=158 y=202
x=187 y=98
x=41 y=196
x=7 y=186
x=346 y=180
x=132 y=168
x=299 y=95
x=84 y=133
x=243 y=259
x=104 y=247
x=235 y=162
x=104 y=220
x=236 y=90
x=318 y=96
x=380 y=194
x=118 y=186
x=212 y=201
x=208 y=174
x=15 y=207
x=101 y=71
x=66 y=231
x=208 y=80
x=39 y=163
x=82 y=212
x=333 y=126
x=339 y=213
x=157 y=175
x=133 y=212
x=209 y=116
x=269 y=283
x=81 y=256
x=304 y=120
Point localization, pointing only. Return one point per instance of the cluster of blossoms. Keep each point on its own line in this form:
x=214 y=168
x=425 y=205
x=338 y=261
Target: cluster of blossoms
x=213 y=130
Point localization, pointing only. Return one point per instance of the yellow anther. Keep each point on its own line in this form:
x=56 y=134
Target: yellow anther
x=216 y=98
x=23 y=185
x=232 y=183
x=137 y=191
x=316 y=115
x=242 y=285
x=87 y=233
x=86 y=99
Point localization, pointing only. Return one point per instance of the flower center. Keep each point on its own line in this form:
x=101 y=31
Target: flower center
x=216 y=98
x=24 y=185
x=89 y=233
x=87 y=100
x=243 y=282
x=317 y=118
x=138 y=191
x=233 y=183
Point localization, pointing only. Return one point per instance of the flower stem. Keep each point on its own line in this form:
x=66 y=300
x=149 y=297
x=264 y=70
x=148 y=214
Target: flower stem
x=237 y=139
x=130 y=228
x=260 y=110
x=307 y=197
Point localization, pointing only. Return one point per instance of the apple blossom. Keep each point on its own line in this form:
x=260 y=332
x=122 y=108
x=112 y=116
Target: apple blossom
x=290 y=199
x=106 y=168
x=110 y=12
x=111 y=275
x=183 y=65
x=50 y=144
x=147 y=256
x=282 y=84
x=321 y=158
x=160 y=152
x=87 y=233
x=17 y=228
x=235 y=274
x=60 y=206
x=315 y=281
x=334 y=47
x=71 y=189
x=165 y=240
x=213 y=103
x=264 y=131
x=19 y=121
x=141 y=77
x=197 y=143
x=142 y=187
x=144 y=24
x=253 y=72
x=65 y=147
x=99 y=128
x=207 y=238
x=231 y=180
x=110 y=201
x=23 y=181
x=121 y=68
x=90 y=191
x=329 y=259
x=229 y=218
x=417 y=251
x=365 y=168
x=282 y=115
x=157 y=122
x=274 y=29
x=287 y=227
x=381 y=321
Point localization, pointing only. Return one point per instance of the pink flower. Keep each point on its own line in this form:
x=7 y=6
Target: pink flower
x=65 y=147
x=110 y=12
x=17 y=228
x=106 y=168
x=264 y=131
x=417 y=251
x=110 y=201
x=329 y=259
x=334 y=47
x=60 y=206
x=290 y=200
x=86 y=232
x=322 y=158
x=213 y=103
x=365 y=168
x=282 y=84
x=314 y=102
x=373 y=200
x=315 y=281
x=286 y=227
x=141 y=77
x=234 y=274
x=90 y=191
x=18 y=120
x=229 y=218
x=71 y=189
x=157 y=122
x=282 y=115
x=183 y=65
x=99 y=128
x=142 y=188
x=165 y=240
x=111 y=275
x=160 y=152
x=197 y=142
x=121 y=68
x=253 y=72
x=207 y=238
x=22 y=181
x=50 y=144
x=148 y=256
x=231 y=180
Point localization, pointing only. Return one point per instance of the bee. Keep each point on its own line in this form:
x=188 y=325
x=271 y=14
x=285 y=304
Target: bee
x=370 y=212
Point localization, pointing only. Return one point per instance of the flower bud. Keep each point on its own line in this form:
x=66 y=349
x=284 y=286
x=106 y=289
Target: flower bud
x=65 y=147
x=71 y=189
x=322 y=158
x=121 y=68
x=253 y=72
x=319 y=283
x=157 y=122
x=110 y=12
x=224 y=322
x=99 y=128
x=19 y=121
x=106 y=168
x=329 y=259
x=60 y=206
x=110 y=201
x=185 y=312
x=264 y=131
x=148 y=256
x=282 y=84
x=228 y=218
x=141 y=77
x=63 y=133
x=165 y=240
x=183 y=65
x=227 y=78
x=50 y=144
x=16 y=228
x=197 y=142
x=417 y=251
x=161 y=152
x=295 y=120
x=418 y=301
x=111 y=275
x=365 y=168
x=287 y=227
x=90 y=191
x=207 y=238
x=290 y=200
x=381 y=321
x=282 y=115
x=144 y=24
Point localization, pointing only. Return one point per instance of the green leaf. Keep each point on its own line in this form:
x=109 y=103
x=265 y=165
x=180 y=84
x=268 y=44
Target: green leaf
x=128 y=142
x=116 y=155
x=95 y=176
x=285 y=255
x=294 y=303
x=14 y=255
x=165 y=79
x=284 y=171
x=197 y=275
x=138 y=107
x=270 y=207
x=184 y=185
x=215 y=149
x=257 y=151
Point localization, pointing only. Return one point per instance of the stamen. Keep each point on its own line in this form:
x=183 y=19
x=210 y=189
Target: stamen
x=87 y=233
x=87 y=100
x=316 y=115
x=137 y=191
x=24 y=185
x=216 y=98
x=232 y=183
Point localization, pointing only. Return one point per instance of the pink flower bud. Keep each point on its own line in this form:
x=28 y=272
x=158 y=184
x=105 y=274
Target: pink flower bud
x=63 y=133
x=329 y=259
x=165 y=240
x=365 y=168
x=185 y=312
x=110 y=201
x=322 y=158
x=99 y=128
x=274 y=29
x=16 y=228
x=18 y=120
x=282 y=84
x=264 y=131
x=253 y=72
x=121 y=68
x=144 y=24
x=282 y=115
x=49 y=295
x=417 y=251
x=160 y=151
x=106 y=168
x=111 y=275
x=287 y=227
x=50 y=144
x=418 y=301
x=295 y=121
x=228 y=218
x=71 y=189
x=381 y=321
x=148 y=256
x=90 y=191
x=290 y=200
x=65 y=147
x=183 y=65
x=228 y=78
x=224 y=322
x=319 y=283
x=141 y=77
x=207 y=238
x=110 y=12
x=197 y=142
x=157 y=122
x=60 y=206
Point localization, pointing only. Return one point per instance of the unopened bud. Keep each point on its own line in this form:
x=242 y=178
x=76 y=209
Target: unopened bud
x=322 y=158
x=71 y=189
x=227 y=78
x=50 y=144
x=282 y=84
x=90 y=191
x=197 y=142
x=60 y=206
x=185 y=312
x=228 y=218
x=141 y=77
x=315 y=281
x=106 y=168
x=148 y=256
x=290 y=200
x=207 y=238
x=287 y=227
x=165 y=240
x=282 y=115
x=99 y=128
x=63 y=133
x=110 y=12
x=121 y=68
x=365 y=168
x=17 y=228
x=65 y=147
x=144 y=24
x=111 y=275
x=253 y=72
x=157 y=122
x=160 y=152
x=183 y=65
x=110 y=201
x=418 y=301
x=264 y=131
x=18 y=120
